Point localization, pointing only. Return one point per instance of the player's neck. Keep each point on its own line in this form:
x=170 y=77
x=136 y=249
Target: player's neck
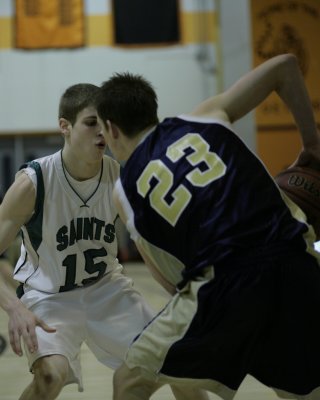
x=127 y=144
x=141 y=136
x=77 y=168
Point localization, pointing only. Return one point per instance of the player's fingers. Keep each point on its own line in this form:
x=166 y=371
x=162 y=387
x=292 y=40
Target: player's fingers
x=301 y=161
x=308 y=159
x=30 y=338
x=45 y=327
x=15 y=342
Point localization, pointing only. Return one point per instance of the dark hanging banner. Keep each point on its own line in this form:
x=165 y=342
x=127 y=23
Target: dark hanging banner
x=143 y=22
x=41 y=24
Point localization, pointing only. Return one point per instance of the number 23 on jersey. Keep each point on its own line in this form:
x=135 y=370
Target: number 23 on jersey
x=215 y=168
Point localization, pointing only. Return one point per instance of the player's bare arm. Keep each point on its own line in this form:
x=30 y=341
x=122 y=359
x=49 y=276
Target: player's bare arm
x=152 y=268
x=155 y=272
x=16 y=209
x=280 y=74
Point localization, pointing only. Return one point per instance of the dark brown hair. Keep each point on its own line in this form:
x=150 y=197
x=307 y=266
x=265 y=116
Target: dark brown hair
x=129 y=101
x=75 y=99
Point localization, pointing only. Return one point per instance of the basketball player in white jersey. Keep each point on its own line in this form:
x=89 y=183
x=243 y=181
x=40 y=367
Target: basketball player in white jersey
x=72 y=289
x=217 y=232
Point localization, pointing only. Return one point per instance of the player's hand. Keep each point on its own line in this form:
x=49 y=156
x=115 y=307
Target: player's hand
x=22 y=324
x=309 y=157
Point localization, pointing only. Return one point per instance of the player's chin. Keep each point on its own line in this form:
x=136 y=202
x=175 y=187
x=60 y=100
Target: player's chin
x=100 y=149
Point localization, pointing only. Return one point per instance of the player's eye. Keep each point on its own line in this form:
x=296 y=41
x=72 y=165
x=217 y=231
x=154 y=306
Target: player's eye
x=91 y=122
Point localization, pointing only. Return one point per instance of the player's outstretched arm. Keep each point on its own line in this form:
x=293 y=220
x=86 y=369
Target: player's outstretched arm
x=280 y=74
x=15 y=210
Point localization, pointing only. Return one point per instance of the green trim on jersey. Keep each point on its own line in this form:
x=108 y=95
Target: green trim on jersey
x=34 y=226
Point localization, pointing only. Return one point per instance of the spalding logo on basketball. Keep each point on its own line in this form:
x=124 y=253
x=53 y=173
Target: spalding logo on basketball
x=302 y=185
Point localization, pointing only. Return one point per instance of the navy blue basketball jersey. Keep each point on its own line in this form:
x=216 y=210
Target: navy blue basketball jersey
x=195 y=195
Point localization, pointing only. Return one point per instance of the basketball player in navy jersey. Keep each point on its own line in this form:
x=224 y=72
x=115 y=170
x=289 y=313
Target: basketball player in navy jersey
x=216 y=231
x=72 y=288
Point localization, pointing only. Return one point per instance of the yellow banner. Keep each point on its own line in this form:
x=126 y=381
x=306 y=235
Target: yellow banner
x=287 y=26
x=49 y=24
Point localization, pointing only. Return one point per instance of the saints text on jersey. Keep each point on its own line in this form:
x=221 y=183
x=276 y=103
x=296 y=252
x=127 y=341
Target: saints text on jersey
x=84 y=229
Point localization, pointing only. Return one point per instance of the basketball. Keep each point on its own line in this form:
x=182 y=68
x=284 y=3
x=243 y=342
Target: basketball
x=302 y=185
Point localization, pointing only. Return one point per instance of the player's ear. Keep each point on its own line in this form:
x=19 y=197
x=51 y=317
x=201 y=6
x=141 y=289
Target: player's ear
x=64 y=125
x=113 y=129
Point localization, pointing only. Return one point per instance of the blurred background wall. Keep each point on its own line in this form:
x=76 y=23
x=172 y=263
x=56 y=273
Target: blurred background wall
x=183 y=69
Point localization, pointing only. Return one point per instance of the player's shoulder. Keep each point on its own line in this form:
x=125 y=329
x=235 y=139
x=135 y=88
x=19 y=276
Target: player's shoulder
x=43 y=164
x=111 y=168
x=213 y=107
x=110 y=162
x=23 y=183
x=206 y=119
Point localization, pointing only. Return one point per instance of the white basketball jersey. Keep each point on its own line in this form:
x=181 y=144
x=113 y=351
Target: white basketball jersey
x=70 y=241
